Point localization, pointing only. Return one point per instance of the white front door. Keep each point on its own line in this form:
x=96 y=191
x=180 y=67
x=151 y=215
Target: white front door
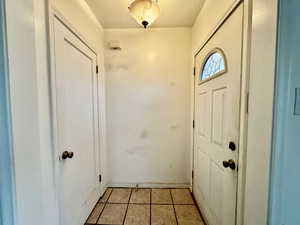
x=217 y=119
x=77 y=125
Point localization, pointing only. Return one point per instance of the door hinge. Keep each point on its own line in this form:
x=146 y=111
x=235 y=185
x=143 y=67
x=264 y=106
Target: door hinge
x=192 y=174
x=100 y=178
x=247 y=103
x=193 y=124
x=97 y=69
x=194 y=71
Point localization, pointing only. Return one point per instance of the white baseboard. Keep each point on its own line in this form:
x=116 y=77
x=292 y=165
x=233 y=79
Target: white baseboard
x=150 y=185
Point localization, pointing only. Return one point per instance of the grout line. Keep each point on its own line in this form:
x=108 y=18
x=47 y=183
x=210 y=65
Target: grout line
x=151 y=196
x=150 y=206
x=198 y=208
x=118 y=203
x=98 y=202
x=105 y=224
x=100 y=212
x=105 y=203
x=86 y=223
x=160 y=188
x=107 y=189
x=107 y=200
x=174 y=207
x=127 y=207
x=172 y=204
x=131 y=190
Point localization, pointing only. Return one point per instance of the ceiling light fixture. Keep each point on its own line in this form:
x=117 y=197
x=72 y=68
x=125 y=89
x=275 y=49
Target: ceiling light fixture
x=145 y=12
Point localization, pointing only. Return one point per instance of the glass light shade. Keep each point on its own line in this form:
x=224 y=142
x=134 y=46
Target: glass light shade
x=145 y=12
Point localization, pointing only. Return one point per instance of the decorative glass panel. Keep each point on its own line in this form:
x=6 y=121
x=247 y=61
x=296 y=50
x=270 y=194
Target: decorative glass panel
x=214 y=64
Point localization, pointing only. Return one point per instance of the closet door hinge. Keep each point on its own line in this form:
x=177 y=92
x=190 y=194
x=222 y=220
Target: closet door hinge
x=100 y=178
x=194 y=71
x=97 y=69
x=247 y=103
x=192 y=174
x=193 y=124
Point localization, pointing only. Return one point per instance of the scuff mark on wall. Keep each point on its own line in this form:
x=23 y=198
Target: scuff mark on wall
x=174 y=127
x=172 y=83
x=116 y=68
x=136 y=150
x=119 y=61
x=144 y=134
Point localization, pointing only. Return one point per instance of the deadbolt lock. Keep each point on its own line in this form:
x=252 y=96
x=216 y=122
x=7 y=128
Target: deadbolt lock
x=232 y=146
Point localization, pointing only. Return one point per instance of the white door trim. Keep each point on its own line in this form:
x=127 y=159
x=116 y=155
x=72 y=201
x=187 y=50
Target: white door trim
x=244 y=101
x=7 y=175
x=217 y=27
x=52 y=14
x=261 y=101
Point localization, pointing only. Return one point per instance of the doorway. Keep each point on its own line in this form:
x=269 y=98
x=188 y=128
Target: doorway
x=217 y=121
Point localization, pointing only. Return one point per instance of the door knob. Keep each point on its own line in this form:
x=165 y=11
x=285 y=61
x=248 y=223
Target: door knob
x=67 y=155
x=71 y=154
x=232 y=146
x=230 y=163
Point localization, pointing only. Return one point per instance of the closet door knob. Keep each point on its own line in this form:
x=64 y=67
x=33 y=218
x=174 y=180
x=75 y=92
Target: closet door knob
x=67 y=155
x=229 y=164
x=70 y=155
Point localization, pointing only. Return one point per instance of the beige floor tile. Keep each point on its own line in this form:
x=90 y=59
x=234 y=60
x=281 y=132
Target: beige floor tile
x=119 y=195
x=138 y=215
x=188 y=215
x=162 y=215
x=141 y=196
x=182 y=196
x=113 y=214
x=95 y=214
x=106 y=195
x=161 y=196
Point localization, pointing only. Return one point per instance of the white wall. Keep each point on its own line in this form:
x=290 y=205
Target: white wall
x=29 y=81
x=148 y=102
x=49 y=195
x=24 y=110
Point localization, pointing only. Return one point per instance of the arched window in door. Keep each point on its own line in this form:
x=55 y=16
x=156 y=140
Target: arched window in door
x=214 y=65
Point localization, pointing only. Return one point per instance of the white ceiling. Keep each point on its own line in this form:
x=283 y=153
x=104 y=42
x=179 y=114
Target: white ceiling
x=174 y=13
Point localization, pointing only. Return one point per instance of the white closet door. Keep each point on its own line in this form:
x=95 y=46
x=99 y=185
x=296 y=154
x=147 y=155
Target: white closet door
x=77 y=125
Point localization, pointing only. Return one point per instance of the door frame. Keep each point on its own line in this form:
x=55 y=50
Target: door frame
x=241 y=181
x=7 y=176
x=54 y=13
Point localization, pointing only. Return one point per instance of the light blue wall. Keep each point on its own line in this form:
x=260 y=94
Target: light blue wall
x=285 y=181
x=6 y=190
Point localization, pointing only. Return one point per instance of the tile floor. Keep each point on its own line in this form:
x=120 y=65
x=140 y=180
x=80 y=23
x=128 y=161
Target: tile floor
x=125 y=206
